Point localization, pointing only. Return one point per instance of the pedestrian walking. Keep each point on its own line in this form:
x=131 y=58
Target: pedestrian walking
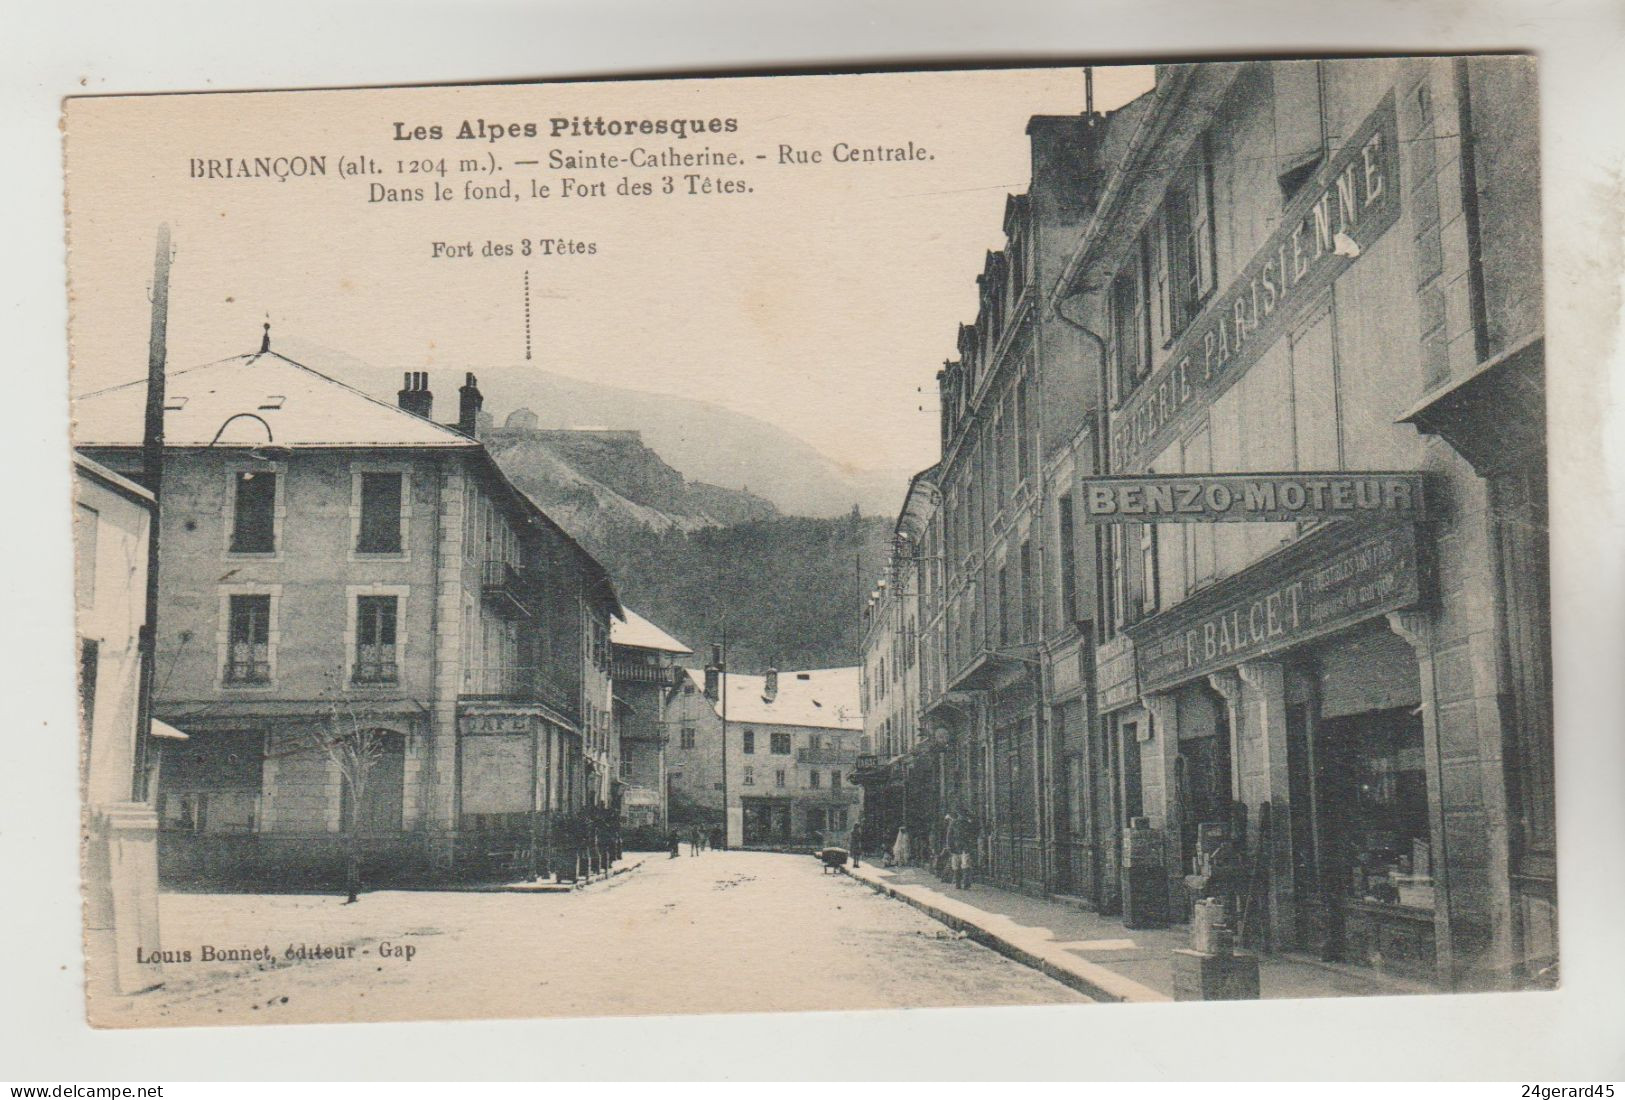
x=673 y=841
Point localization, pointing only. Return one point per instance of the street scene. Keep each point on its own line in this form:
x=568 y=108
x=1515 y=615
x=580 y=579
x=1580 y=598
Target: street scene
x=1200 y=651
x=717 y=932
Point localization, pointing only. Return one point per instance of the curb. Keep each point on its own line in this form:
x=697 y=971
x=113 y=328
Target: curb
x=1090 y=979
x=556 y=887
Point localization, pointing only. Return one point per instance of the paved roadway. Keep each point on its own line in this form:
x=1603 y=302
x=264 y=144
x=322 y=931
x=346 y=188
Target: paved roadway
x=717 y=932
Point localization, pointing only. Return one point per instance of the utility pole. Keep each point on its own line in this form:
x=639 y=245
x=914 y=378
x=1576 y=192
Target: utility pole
x=721 y=656
x=152 y=472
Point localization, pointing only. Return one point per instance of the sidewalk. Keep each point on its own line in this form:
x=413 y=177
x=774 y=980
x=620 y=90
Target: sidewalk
x=1097 y=955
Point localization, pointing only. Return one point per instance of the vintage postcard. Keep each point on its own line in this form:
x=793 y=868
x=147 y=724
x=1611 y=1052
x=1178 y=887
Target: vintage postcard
x=1005 y=536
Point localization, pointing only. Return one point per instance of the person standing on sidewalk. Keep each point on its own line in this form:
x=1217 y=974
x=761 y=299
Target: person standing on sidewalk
x=964 y=843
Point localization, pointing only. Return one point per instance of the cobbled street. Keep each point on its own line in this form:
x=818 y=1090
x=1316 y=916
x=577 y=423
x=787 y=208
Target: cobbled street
x=717 y=932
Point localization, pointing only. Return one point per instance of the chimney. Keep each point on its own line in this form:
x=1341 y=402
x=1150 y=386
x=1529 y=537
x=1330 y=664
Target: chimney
x=414 y=395
x=469 y=402
x=770 y=688
x=713 y=672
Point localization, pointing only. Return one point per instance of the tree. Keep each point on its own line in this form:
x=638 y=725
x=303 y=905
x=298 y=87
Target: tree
x=348 y=737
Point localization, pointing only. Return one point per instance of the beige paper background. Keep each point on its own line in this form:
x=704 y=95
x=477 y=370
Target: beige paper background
x=821 y=301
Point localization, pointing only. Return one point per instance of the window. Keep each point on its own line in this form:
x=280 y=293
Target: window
x=1188 y=229
x=778 y=778
x=834 y=781
x=1069 y=563
x=380 y=527
x=749 y=742
x=253 y=524
x=812 y=780
x=750 y=776
x=1003 y=596
x=1130 y=335
x=814 y=742
x=89 y=653
x=781 y=745
x=1148 y=567
x=248 y=656
x=686 y=738
x=1029 y=592
x=375 y=618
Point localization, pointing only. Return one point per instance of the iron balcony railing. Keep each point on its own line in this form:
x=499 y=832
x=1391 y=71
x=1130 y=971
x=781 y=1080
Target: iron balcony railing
x=518 y=685
x=826 y=756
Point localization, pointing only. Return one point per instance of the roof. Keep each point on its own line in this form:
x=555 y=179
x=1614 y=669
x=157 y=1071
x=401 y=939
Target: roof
x=266 y=398
x=114 y=480
x=252 y=400
x=636 y=632
x=823 y=697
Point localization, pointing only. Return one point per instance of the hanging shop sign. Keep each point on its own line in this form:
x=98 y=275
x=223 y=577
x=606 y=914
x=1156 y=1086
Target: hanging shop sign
x=1259 y=498
x=1339 y=214
x=1329 y=580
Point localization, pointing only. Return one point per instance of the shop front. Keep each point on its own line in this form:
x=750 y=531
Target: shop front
x=1285 y=708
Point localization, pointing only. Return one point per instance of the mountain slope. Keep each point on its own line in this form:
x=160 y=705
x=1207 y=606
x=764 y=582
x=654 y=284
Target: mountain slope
x=594 y=482
x=708 y=443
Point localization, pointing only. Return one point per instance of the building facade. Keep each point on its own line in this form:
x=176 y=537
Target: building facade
x=1242 y=520
x=644 y=667
x=113 y=521
x=340 y=571
x=770 y=757
x=1295 y=266
x=901 y=773
x=1013 y=397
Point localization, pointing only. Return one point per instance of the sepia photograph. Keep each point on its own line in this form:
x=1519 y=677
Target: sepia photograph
x=956 y=537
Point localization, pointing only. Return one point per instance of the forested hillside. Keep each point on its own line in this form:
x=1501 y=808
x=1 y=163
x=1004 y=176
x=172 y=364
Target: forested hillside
x=785 y=591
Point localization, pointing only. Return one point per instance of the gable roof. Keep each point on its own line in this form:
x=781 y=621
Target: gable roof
x=824 y=697
x=266 y=398
x=252 y=400
x=636 y=632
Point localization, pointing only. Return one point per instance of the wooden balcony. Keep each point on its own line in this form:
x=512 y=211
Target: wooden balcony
x=633 y=672
x=507 y=590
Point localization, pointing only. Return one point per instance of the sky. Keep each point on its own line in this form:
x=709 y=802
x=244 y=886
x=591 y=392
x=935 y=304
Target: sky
x=816 y=295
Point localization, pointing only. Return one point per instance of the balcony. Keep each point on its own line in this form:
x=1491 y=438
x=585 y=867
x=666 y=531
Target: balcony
x=507 y=590
x=827 y=756
x=633 y=672
x=518 y=685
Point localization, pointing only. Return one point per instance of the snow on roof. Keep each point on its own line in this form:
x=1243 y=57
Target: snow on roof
x=639 y=633
x=252 y=400
x=826 y=697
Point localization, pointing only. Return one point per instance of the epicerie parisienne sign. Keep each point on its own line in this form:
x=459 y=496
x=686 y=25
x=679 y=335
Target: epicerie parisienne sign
x=1258 y=498
x=1324 y=230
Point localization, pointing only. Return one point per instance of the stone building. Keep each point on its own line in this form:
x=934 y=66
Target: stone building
x=644 y=667
x=1242 y=521
x=1015 y=394
x=901 y=775
x=1317 y=268
x=771 y=756
x=338 y=566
